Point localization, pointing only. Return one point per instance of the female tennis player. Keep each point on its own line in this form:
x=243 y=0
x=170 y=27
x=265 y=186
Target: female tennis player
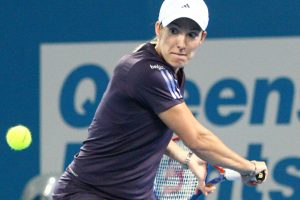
x=135 y=120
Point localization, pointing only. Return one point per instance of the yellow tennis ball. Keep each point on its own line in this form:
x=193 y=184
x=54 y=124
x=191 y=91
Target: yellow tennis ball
x=18 y=137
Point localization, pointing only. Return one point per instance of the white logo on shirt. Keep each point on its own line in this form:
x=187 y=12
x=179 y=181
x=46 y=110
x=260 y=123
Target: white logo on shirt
x=159 y=67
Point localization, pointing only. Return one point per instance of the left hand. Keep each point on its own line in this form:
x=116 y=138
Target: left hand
x=199 y=169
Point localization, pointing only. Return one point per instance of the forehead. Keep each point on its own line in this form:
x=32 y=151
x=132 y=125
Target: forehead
x=185 y=23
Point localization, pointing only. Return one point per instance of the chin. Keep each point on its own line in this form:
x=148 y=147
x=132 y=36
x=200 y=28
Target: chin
x=180 y=64
x=177 y=63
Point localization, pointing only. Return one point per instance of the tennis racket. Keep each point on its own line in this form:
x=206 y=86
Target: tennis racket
x=174 y=182
x=226 y=175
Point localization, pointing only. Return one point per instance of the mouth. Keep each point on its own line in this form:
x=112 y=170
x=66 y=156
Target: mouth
x=180 y=56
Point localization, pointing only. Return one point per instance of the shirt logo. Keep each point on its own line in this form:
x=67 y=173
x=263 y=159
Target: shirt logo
x=159 y=67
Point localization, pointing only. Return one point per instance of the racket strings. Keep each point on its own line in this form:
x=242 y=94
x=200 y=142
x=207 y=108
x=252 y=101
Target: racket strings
x=173 y=181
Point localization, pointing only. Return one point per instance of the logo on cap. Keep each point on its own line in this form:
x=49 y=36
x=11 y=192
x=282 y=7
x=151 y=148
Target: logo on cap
x=185 y=6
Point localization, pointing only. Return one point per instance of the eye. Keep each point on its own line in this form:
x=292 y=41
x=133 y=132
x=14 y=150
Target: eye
x=193 y=34
x=173 y=30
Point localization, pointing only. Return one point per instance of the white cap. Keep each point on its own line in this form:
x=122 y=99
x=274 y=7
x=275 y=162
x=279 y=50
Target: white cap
x=196 y=10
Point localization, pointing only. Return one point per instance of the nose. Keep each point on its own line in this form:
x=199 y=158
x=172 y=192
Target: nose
x=181 y=42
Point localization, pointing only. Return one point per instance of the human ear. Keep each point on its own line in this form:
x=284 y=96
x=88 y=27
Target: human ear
x=157 y=28
x=203 y=35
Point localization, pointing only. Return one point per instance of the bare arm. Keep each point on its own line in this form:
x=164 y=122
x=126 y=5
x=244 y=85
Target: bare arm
x=196 y=165
x=203 y=142
x=176 y=152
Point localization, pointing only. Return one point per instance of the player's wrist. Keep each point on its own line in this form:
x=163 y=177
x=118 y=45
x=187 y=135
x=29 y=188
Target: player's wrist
x=187 y=160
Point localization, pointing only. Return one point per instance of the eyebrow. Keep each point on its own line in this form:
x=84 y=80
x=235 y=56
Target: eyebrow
x=193 y=28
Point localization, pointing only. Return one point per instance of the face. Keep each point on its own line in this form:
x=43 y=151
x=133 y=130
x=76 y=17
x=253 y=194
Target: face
x=178 y=41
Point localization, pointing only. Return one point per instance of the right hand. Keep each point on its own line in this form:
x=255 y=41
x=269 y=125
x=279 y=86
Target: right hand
x=251 y=180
